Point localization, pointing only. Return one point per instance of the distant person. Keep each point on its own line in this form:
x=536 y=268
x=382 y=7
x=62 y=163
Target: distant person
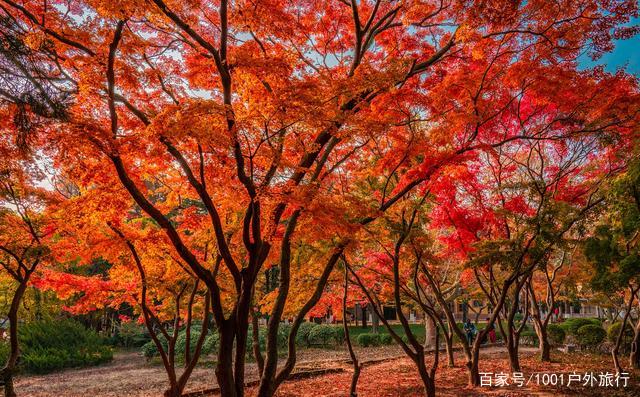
x=492 y=332
x=470 y=330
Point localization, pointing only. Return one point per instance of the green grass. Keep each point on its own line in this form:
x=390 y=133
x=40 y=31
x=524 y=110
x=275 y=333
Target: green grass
x=416 y=329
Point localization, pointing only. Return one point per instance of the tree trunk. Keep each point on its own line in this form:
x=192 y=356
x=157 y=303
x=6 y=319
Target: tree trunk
x=356 y=365
x=427 y=381
x=375 y=322
x=512 y=348
x=429 y=333
x=616 y=347
x=448 y=342
x=634 y=356
x=14 y=352
x=543 y=339
x=364 y=316
x=544 y=348
x=224 y=367
x=173 y=391
x=473 y=368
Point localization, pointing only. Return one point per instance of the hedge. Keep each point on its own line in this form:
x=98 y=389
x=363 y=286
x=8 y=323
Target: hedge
x=367 y=339
x=302 y=337
x=556 y=334
x=48 y=346
x=614 y=331
x=322 y=335
x=572 y=325
x=590 y=335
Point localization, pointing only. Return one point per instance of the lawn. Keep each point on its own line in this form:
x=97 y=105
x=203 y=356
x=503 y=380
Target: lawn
x=417 y=330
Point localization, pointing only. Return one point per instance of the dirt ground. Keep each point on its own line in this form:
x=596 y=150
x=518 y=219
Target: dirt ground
x=130 y=375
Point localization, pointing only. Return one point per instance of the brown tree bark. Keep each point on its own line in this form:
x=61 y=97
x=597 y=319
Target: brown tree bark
x=14 y=351
x=354 y=359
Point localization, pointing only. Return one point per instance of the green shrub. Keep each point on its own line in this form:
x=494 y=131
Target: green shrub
x=44 y=361
x=529 y=337
x=262 y=341
x=366 y=340
x=48 y=346
x=555 y=334
x=181 y=342
x=150 y=349
x=4 y=352
x=211 y=342
x=590 y=335
x=130 y=334
x=323 y=334
x=302 y=337
x=338 y=334
x=283 y=335
x=572 y=325
x=614 y=330
x=385 y=339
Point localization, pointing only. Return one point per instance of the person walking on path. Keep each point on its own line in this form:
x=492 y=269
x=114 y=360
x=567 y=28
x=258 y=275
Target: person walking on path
x=470 y=330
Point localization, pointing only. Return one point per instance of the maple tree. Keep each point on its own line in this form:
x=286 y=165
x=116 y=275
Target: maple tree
x=269 y=130
x=25 y=227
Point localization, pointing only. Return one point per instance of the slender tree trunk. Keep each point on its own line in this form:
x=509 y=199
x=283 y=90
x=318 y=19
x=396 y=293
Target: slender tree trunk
x=375 y=322
x=514 y=359
x=540 y=326
x=543 y=345
x=10 y=367
x=473 y=367
x=634 y=356
x=224 y=367
x=448 y=342
x=364 y=316
x=616 y=347
x=352 y=354
x=255 y=340
x=427 y=381
x=429 y=333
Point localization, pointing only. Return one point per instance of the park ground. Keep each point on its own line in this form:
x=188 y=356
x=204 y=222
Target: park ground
x=388 y=373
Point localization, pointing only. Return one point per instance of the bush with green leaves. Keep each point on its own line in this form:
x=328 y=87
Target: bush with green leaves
x=211 y=342
x=614 y=330
x=572 y=325
x=323 y=334
x=366 y=340
x=556 y=334
x=302 y=337
x=385 y=339
x=130 y=334
x=48 y=346
x=150 y=350
x=590 y=335
x=283 y=335
x=338 y=334
x=529 y=336
x=181 y=343
x=4 y=352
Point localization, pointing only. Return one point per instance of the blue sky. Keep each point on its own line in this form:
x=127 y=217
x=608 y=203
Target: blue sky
x=626 y=55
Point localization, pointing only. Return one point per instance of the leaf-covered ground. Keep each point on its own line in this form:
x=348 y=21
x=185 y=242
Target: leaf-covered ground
x=129 y=375
x=399 y=378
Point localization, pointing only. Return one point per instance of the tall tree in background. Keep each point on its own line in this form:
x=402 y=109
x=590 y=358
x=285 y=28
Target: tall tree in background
x=24 y=229
x=614 y=251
